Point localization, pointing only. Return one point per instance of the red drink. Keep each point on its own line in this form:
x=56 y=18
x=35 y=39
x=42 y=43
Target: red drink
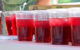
x=42 y=31
x=75 y=24
x=60 y=29
x=74 y=14
x=24 y=27
x=13 y=21
x=42 y=28
x=8 y=25
x=59 y=26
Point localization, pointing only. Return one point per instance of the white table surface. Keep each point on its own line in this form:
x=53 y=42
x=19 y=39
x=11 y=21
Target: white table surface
x=17 y=45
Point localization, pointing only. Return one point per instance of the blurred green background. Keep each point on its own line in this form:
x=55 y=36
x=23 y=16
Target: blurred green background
x=68 y=1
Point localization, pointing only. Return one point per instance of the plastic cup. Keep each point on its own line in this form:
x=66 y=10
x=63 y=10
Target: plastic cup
x=74 y=14
x=59 y=26
x=24 y=22
x=13 y=22
x=42 y=28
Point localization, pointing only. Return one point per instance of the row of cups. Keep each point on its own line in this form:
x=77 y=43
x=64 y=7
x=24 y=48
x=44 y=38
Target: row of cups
x=56 y=26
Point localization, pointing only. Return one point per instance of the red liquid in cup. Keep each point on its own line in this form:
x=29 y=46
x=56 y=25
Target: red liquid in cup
x=75 y=26
x=60 y=30
x=42 y=32
x=33 y=28
x=13 y=21
x=8 y=25
x=25 y=29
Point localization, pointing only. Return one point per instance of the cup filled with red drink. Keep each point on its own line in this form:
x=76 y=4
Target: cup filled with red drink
x=74 y=14
x=42 y=28
x=8 y=23
x=24 y=23
x=59 y=26
x=10 y=20
x=13 y=22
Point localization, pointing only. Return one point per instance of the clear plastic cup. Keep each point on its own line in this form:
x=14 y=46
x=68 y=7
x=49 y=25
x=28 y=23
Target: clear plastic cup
x=74 y=14
x=24 y=23
x=8 y=23
x=42 y=28
x=60 y=27
x=10 y=19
